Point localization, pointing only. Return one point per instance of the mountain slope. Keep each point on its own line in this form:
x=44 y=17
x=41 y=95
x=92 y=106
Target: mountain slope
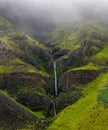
x=14 y=116
x=80 y=67
x=20 y=47
x=88 y=112
x=23 y=65
x=26 y=73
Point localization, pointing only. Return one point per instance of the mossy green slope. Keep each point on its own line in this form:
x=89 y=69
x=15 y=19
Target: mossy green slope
x=88 y=112
x=101 y=58
x=23 y=64
x=91 y=38
x=14 y=116
x=71 y=40
x=20 y=52
x=63 y=40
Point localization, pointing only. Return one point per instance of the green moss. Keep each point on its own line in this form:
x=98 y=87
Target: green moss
x=103 y=96
x=105 y=51
x=86 y=113
x=90 y=66
x=5 y=69
x=102 y=57
x=61 y=39
x=39 y=114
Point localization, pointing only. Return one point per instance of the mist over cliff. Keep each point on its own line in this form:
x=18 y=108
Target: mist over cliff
x=37 y=17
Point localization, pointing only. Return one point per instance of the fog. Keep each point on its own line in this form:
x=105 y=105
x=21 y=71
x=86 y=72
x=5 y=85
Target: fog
x=36 y=17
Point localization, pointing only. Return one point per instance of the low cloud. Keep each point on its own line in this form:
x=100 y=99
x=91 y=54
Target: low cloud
x=45 y=14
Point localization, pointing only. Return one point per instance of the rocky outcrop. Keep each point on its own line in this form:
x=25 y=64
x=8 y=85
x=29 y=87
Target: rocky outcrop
x=57 y=53
x=15 y=81
x=13 y=116
x=30 y=89
x=35 y=102
x=67 y=98
x=70 y=86
x=70 y=78
x=2 y=82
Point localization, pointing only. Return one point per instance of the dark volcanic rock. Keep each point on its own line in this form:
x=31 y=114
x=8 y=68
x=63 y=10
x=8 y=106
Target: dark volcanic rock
x=57 y=52
x=2 y=82
x=76 y=77
x=13 y=116
x=71 y=84
x=68 y=98
x=30 y=89
x=15 y=81
x=35 y=102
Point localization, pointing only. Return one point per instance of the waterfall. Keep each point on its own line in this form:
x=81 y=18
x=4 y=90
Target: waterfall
x=55 y=89
x=55 y=74
x=54 y=107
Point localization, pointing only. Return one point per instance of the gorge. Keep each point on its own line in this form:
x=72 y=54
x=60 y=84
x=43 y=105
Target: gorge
x=61 y=85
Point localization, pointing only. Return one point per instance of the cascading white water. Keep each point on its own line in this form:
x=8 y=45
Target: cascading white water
x=55 y=89
x=55 y=73
x=54 y=107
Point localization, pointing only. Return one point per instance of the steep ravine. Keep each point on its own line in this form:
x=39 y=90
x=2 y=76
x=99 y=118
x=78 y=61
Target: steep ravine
x=48 y=79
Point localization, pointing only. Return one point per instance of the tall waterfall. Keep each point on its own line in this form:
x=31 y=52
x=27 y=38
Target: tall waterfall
x=55 y=73
x=54 y=107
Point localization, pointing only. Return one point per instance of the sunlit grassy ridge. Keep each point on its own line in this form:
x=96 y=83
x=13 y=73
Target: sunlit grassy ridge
x=101 y=58
x=87 y=113
x=90 y=66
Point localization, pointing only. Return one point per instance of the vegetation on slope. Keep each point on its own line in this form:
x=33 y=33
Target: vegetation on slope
x=82 y=53
x=88 y=112
x=15 y=116
x=101 y=58
x=90 y=38
x=23 y=65
x=14 y=44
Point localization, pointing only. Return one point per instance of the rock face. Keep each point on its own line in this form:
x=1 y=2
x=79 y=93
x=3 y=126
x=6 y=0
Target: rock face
x=2 y=82
x=35 y=102
x=71 y=84
x=23 y=61
x=30 y=89
x=67 y=98
x=15 y=81
x=13 y=116
x=76 y=77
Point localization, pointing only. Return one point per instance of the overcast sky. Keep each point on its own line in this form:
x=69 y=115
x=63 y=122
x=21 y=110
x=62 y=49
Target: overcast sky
x=32 y=15
x=57 y=9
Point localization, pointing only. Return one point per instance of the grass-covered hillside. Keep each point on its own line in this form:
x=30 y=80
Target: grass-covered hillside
x=83 y=82
x=89 y=112
x=27 y=76
x=90 y=36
